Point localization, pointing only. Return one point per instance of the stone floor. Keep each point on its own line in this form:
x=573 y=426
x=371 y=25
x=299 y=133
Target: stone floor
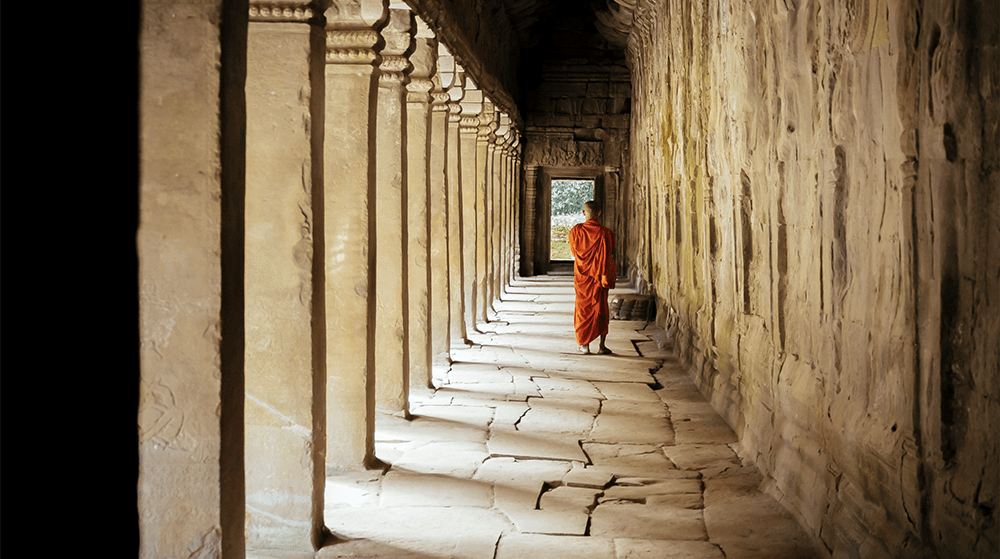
x=526 y=449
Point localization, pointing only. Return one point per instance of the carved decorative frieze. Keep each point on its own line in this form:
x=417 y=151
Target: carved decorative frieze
x=394 y=65
x=418 y=91
x=283 y=12
x=564 y=152
x=469 y=123
x=351 y=46
x=439 y=101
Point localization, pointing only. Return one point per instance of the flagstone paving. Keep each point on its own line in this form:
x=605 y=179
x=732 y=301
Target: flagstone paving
x=527 y=449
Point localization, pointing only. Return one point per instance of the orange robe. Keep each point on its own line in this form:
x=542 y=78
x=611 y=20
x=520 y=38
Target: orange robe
x=592 y=244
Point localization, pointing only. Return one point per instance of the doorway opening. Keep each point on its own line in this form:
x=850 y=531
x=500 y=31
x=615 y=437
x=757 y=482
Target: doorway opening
x=568 y=197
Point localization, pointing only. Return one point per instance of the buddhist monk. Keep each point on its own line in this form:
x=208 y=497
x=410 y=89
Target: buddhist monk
x=594 y=274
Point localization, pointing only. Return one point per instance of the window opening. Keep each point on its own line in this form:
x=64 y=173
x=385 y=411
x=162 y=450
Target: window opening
x=568 y=197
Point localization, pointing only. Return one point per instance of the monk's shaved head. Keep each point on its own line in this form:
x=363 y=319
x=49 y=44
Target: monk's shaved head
x=590 y=209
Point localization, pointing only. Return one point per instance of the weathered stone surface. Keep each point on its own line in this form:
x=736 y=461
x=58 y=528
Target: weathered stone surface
x=629 y=460
x=410 y=489
x=429 y=531
x=646 y=522
x=638 y=422
x=804 y=217
x=517 y=546
x=580 y=476
x=539 y=444
x=666 y=549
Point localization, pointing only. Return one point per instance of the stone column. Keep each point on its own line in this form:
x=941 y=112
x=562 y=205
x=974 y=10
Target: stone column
x=499 y=207
x=517 y=193
x=418 y=110
x=189 y=246
x=439 y=217
x=344 y=238
x=472 y=107
x=484 y=202
x=391 y=315
x=456 y=217
x=285 y=470
x=527 y=240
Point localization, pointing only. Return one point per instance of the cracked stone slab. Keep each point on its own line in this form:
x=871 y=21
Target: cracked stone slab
x=478 y=394
x=410 y=489
x=633 y=422
x=466 y=373
x=628 y=548
x=573 y=499
x=522 y=546
x=644 y=490
x=701 y=456
x=581 y=476
x=353 y=489
x=429 y=531
x=519 y=444
x=629 y=460
x=748 y=524
x=627 y=391
x=562 y=416
x=708 y=428
x=645 y=522
x=508 y=414
x=456 y=459
x=559 y=387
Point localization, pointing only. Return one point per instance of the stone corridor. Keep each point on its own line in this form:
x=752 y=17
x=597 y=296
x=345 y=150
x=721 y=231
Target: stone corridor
x=527 y=449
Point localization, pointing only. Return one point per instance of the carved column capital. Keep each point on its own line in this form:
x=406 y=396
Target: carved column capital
x=351 y=37
x=418 y=90
x=398 y=34
x=439 y=101
x=469 y=123
x=289 y=11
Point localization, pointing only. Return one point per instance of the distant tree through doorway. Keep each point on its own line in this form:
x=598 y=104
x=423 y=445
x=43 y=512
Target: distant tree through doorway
x=568 y=197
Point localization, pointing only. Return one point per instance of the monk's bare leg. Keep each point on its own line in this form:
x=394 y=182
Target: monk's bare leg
x=585 y=349
x=603 y=349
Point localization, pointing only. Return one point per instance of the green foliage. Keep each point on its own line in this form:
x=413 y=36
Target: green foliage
x=568 y=196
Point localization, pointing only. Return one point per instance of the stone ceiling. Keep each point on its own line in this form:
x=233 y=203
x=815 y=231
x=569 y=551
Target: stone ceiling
x=533 y=19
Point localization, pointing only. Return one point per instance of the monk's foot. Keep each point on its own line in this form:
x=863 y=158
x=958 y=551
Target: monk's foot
x=584 y=349
x=604 y=351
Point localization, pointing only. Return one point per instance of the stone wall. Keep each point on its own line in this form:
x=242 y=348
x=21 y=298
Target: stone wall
x=814 y=204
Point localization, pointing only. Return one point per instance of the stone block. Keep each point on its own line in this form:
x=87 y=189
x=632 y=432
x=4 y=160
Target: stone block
x=645 y=522
x=410 y=489
x=627 y=548
x=630 y=460
x=519 y=546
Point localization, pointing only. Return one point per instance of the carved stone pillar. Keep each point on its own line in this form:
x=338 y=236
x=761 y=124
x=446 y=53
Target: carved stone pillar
x=284 y=441
x=472 y=107
x=418 y=111
x=485 y=146
x=456 y=217
x=517 y=192
x=391 y=274
x=527 y=240
x=439 y=217
x=348 y=252
x=499 y=207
